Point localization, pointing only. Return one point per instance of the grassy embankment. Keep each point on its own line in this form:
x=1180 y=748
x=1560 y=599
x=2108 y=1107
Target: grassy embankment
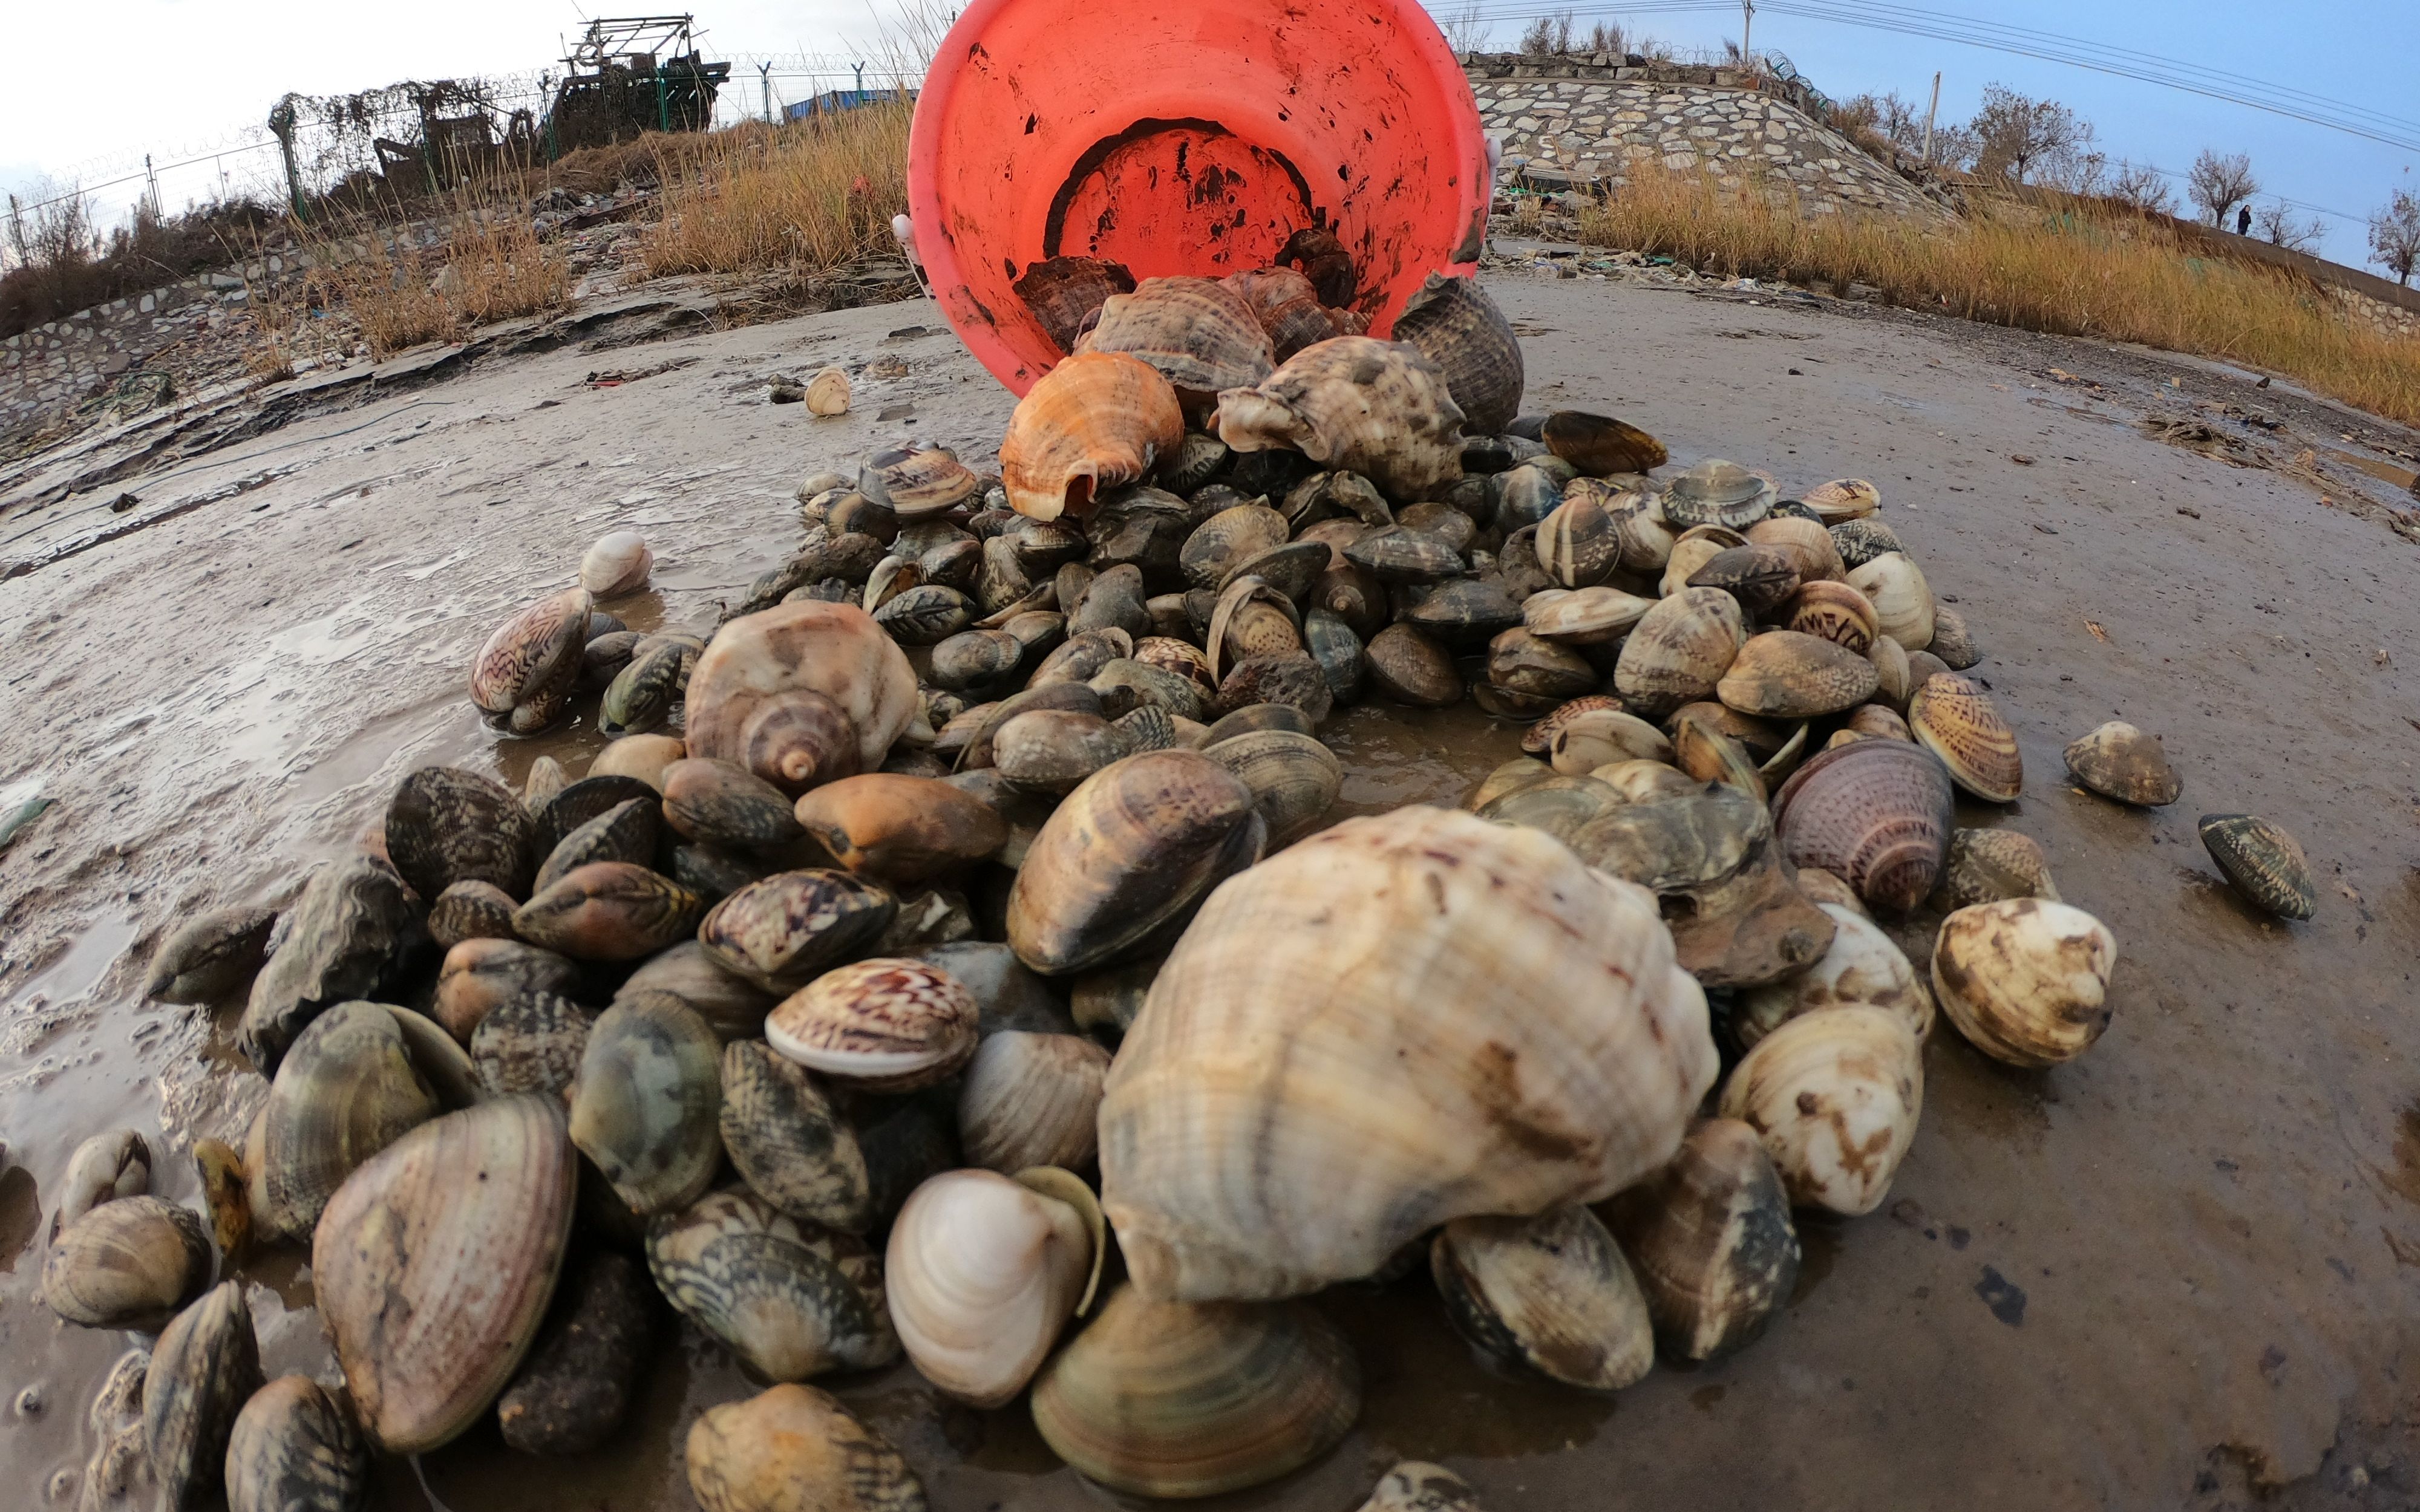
x=2085 y=269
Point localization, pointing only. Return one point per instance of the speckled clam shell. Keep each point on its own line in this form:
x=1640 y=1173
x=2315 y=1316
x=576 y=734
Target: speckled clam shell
x=1834 y=611
x=355 y=930
x=1579 y=543
x=128 y=1263
x=435 y=1261
x=609 y=911
x=1876 y=813
x=770 y=669
x=794 y=1446
x=1453 y=322
x=1127 y=855
x=1538 y=739
x=1170 y=1399
x=790 y=1300
x=2264 y=862
x=1955 y=719
x=983 y=1272
x=480 y=975
x=1678 y=651
x=1424 y=926
x=1951 y=640
x=722 y=803
x=524 y=674
x=1862 y=966
x=209 y=955
x=886 y=1024
x=531 y=1044
x=1859 y=541
x=471 y=911
x=1835 y=1096
x=1904 y=605
x=446 y=825
x=1842 y=498
x=1809 y=546
x=2025 y=980
x=1710 y=1239
x=1986 y=865
x=1759 y=576
x=1198 y=333
x=646 y=1104
x=1227 y=538
x=643 y=695
x=789 y=1144
x=2121 y=762
x=1379 y=409
x=1551 y=1294
x=1295 y=780
x=1785 y=674
x=295 y=1448
x=782 y=932
x=1735 y=919
x=206 y=1365
x=917 y=483
x=1095 y=423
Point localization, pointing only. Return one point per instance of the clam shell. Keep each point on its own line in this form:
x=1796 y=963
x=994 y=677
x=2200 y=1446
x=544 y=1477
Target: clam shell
x=981 y=1272
x=1835 y=1096
x=2121 y=762
x=618 y=563
x=1785 y=674
x=1678 y=651
x=749 y=700
x=1396 y=554
x=1859 y=541
x=103 y=1168
x=1552 y=1293
x=1417 y=1486
x=1332 y=642
x=790 y=1300
x=1065 y=293
x=1127 y=857
x=609 y=911
x=926 y=614
x=1903 y=606
x=782 y=932
x=1955 y=719
x=1424 y=926
x=209 y=955
x=1170 y=1399
x=127 y=1263
x=719 y=803
x=1896 y=679
x=347 y=1090
x=642 y=694
x=524 y=676
x=1710 y=1240
x=885 y=1024
x=787 y=1141
x=1834 y=611
x=206 y=1365
x=1642 y=782
x=1715 y=492
x=973 y=658
x=1876 y=721
x=1555 y=805
x=1759 y=576
x=355 y=928
x=646 y=1104
x=641 y=758
x=480 y=976
x=1808 y=544
x=1032 y=1100
x=576 y=1386
x=1702 y=748
x=446 y=825
x=1587 y=616
x=1843 y=498
x=1599 y=445
x=917 y=482
x=1052 y=751
x=1287 y=307
x=1861 y=967
x=1734 y=918
x=1519 y=662
x=732 y=1006
x=900 y=830
x=1877 y=814
x=1295 y=780
x=2264 y=862
x=1094 y=422
x=1227 y=538
x=1456 y=326
x=1538 y=739
x=531 y=1044
x=1198 y=333
x=2025 y=980
x=435 y=1261
x=1600 y=736
x=294 y=1448
x=471 y=911
x=1529 y=494
x=1379 y=409
x=1406 y=666
x=795 y=1447
x=626 y=831
x=1951 y=641
x=827 y=394
x=1986 y=865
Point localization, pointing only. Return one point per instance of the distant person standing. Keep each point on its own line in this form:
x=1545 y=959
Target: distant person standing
x=2243 y=221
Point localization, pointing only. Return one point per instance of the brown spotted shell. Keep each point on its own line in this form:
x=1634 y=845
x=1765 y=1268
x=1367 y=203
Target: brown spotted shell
x=2121 y=762
x=1957 y=721
x=1834 y=611
x=1783 y=674
x=885 y=1024
x=1376 y=408
x=2025 y=980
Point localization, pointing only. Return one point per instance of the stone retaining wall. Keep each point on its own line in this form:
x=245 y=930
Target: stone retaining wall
x=1593 y=120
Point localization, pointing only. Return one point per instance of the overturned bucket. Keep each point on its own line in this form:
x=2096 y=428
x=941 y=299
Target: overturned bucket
x=1188 y=138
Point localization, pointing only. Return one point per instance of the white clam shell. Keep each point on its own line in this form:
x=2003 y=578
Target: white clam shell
x=618 y=563
x=2025 y=979
x=1861 y=967
x=1903 y=601
x=1835 y=1095
x=981 y=1275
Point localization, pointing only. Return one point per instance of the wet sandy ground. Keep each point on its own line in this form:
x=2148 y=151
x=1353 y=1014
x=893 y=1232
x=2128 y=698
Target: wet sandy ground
x=2184 y=1265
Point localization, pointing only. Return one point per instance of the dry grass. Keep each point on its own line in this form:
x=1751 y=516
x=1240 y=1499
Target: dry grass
x=487 y=266
x=2085 y=270
x=799 y=201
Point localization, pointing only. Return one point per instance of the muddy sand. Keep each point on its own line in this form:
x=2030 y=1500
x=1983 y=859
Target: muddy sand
x=2179 y=1270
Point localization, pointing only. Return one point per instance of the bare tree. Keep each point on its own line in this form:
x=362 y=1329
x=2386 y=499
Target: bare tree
x=2143 y=187
x=2217 y=185
x=2277 y=224
x=1890 y=118
x=1607 y=37
x=1465 y=30
x=2394 y=235
x=1548 y=35
x=2017 y=135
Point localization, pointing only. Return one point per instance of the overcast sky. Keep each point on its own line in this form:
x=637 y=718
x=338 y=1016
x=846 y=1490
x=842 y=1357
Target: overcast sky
x=180 y=78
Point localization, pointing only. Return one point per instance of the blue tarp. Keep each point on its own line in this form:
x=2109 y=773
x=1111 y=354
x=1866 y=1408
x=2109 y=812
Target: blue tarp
x=839 y=100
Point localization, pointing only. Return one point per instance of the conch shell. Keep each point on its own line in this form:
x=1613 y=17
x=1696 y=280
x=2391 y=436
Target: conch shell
x=1262 y=1131
x=1377 y=408
x=1197 y=332
x=1095 y=421
x=800 y=694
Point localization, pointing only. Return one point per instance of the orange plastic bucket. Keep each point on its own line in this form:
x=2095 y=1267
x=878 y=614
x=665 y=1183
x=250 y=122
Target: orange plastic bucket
x=1187 y=136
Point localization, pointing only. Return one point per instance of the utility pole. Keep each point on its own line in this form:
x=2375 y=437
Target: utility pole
x=1748 y=28
x=152 y=181
x=1929 y=113
x=765 y=78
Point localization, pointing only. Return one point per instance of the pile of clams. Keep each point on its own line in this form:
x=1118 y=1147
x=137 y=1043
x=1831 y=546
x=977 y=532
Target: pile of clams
x=955 y=958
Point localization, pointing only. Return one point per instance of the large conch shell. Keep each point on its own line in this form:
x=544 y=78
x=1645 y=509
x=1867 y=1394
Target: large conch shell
x=1198 y=333
x=1453 y=322
x=1377 y=408
x=1402 y=1020
x=983 y=1272
x=435 y=1261
x=1098 y=421
x=800 y=694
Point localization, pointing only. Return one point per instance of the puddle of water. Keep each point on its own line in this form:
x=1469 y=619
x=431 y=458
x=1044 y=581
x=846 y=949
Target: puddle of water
x=76 y=970
x=2384 y=471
